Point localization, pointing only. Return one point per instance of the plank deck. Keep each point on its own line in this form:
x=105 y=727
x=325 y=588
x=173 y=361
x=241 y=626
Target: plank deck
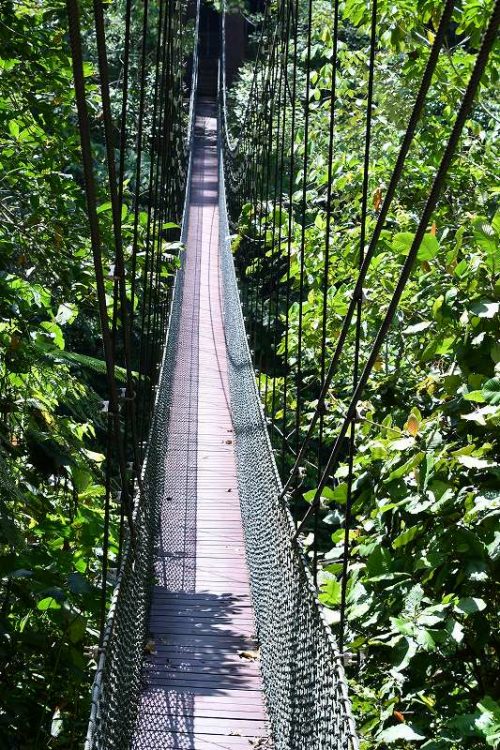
x=198 y=692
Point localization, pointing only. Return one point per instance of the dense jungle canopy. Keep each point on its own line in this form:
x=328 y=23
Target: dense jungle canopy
x=422 y=596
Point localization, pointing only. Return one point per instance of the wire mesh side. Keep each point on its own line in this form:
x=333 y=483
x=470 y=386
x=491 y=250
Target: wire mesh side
x=116 y=688
x=305 y=685
x=117 y=681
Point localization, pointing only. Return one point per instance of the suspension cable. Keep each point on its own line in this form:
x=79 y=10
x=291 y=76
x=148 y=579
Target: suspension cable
x=437 y=186
x=391 y=190
x=357 y=340
x=96 y=246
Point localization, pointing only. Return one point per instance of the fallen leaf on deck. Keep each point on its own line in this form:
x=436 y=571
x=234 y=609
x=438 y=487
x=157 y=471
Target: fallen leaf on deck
x=262 y=743
x=250 y=655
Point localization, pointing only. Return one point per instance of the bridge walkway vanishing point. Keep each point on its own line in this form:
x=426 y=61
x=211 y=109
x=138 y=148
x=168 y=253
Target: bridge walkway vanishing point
x=202 y=688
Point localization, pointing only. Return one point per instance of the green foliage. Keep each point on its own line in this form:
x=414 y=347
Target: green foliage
x=52 y=373
x=51 y=517
x=422 y=597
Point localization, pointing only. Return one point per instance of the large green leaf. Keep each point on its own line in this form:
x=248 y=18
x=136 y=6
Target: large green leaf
x=491 y=391
x=330 y=593
x=428 y=249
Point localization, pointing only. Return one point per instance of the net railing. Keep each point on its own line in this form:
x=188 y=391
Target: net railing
x=117 y=681
x=304 y=682
x=292 y=218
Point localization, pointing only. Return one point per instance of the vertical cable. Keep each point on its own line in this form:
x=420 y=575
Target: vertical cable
x=430 y=204
x=280 y=167
x=293 y=120
x=391 y=190
x=357 y=342
x=326 y=266
x=73 y=13
x=305 y=166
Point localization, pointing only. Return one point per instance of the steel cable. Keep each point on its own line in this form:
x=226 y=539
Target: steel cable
x=391 y=190
x=435 y=191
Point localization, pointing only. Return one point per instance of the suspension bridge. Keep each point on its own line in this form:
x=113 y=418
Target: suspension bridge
x=215 y=638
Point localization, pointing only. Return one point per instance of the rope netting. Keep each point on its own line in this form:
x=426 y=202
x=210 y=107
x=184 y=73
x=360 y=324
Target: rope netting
x=304 y=681
x=302 y=661
x=268 y=173
x=159 y=132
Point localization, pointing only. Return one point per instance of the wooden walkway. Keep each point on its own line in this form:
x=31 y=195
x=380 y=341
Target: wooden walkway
x=201 y=691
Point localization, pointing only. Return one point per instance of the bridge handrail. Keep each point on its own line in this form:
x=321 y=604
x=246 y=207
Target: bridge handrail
x=92 y=742
x=324 y=718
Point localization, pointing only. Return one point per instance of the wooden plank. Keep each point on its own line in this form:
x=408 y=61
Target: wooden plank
x=189 y=628
x=199 y=697
x=192 y=617
x=232 y=641
x=227 y=664
x=204 y=661
x=242 y=727
x=208 y=682
x=167 y=741
x=200 y=651
x=201 y=597
x=219 y=711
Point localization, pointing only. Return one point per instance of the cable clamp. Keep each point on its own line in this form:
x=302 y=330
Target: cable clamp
x=360 y=296
x=112 y=275
x=106 y=410
x=284 y=499
x=122 y=394
x=348 y=658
